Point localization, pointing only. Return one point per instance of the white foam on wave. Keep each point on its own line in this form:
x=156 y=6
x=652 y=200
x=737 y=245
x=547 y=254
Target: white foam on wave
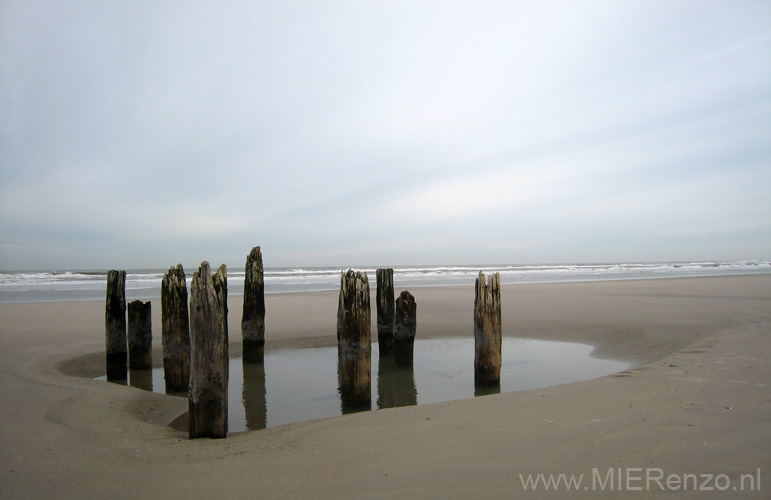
x=145 y=284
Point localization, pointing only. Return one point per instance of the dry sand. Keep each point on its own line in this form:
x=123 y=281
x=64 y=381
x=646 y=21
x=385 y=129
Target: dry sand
x=697 y=402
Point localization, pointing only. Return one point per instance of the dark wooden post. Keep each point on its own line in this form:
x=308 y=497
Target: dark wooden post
x=405 y=325
x=487 y=330
x=253 y=319
x=115 y=325
x=385 y=311
x=208 y=393
x=354 y=343
x=140 y=335
x=175 y=330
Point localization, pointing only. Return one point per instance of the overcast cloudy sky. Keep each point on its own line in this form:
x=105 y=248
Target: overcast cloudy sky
x=146 y=133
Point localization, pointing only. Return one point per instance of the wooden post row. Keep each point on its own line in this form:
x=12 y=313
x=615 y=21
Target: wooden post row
x=385 y=311
x=253 y=318
x=115 y=326
x=405 y=325
x=140 y=335
x=175 y=330
x=209 y=369
x=354 y=342
x=487 y=330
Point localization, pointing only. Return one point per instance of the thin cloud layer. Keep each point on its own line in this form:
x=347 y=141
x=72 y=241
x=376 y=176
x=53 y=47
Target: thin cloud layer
x=140 y=134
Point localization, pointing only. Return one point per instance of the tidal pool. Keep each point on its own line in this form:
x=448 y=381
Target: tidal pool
x=296 y=385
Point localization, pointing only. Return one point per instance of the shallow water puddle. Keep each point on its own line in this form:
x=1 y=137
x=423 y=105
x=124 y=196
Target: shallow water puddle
x=296 y=385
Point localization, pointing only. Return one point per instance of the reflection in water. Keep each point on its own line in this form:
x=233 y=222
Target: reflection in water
x=141 y=379
x=487 y=389
x=347 y=408
x=296 y=385
x=395 y=384
x=253 y=396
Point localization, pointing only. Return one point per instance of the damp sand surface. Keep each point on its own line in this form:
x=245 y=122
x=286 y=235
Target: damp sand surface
x=695 y=402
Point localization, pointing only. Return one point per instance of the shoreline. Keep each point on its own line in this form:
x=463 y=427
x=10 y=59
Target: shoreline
x=449 y=314
x=404 y=281
x=699 y=345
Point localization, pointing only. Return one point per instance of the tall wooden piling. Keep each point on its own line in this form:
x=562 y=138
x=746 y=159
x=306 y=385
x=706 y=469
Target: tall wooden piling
x=115 y=326
x=208 y=392
x=175 y=330
x=487 y=330
x=385 y=311
x=354 y=342
x=253 y=319
x=405 y=326
x=140 y=335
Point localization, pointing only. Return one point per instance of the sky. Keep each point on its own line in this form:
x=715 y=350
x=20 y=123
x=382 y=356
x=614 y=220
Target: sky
x=140 y=134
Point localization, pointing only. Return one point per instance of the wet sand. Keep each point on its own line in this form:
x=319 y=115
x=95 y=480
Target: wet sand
x=697 y=402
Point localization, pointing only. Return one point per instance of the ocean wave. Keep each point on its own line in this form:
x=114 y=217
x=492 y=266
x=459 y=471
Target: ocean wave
x=29 y=286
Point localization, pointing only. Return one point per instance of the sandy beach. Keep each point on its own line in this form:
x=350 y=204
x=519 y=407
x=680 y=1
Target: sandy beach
x=697 y=402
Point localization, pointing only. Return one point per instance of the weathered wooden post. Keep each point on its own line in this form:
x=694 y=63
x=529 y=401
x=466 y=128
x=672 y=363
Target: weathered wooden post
x=175 y=330
x=353 y=335
x=253 y=319
x=208 y=392
x=385 y=311
x=487 y=330
x=115 y=325
x=140 y=335
x=405 y=325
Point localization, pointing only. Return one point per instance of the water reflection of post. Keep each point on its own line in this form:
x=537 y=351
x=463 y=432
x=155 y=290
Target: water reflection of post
x=255 y=404
x=141 y=379
x=486 y=390
x=395 y=384
x=347 y=408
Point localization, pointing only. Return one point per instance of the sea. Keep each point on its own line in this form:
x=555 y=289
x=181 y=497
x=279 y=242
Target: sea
x=143 y=284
